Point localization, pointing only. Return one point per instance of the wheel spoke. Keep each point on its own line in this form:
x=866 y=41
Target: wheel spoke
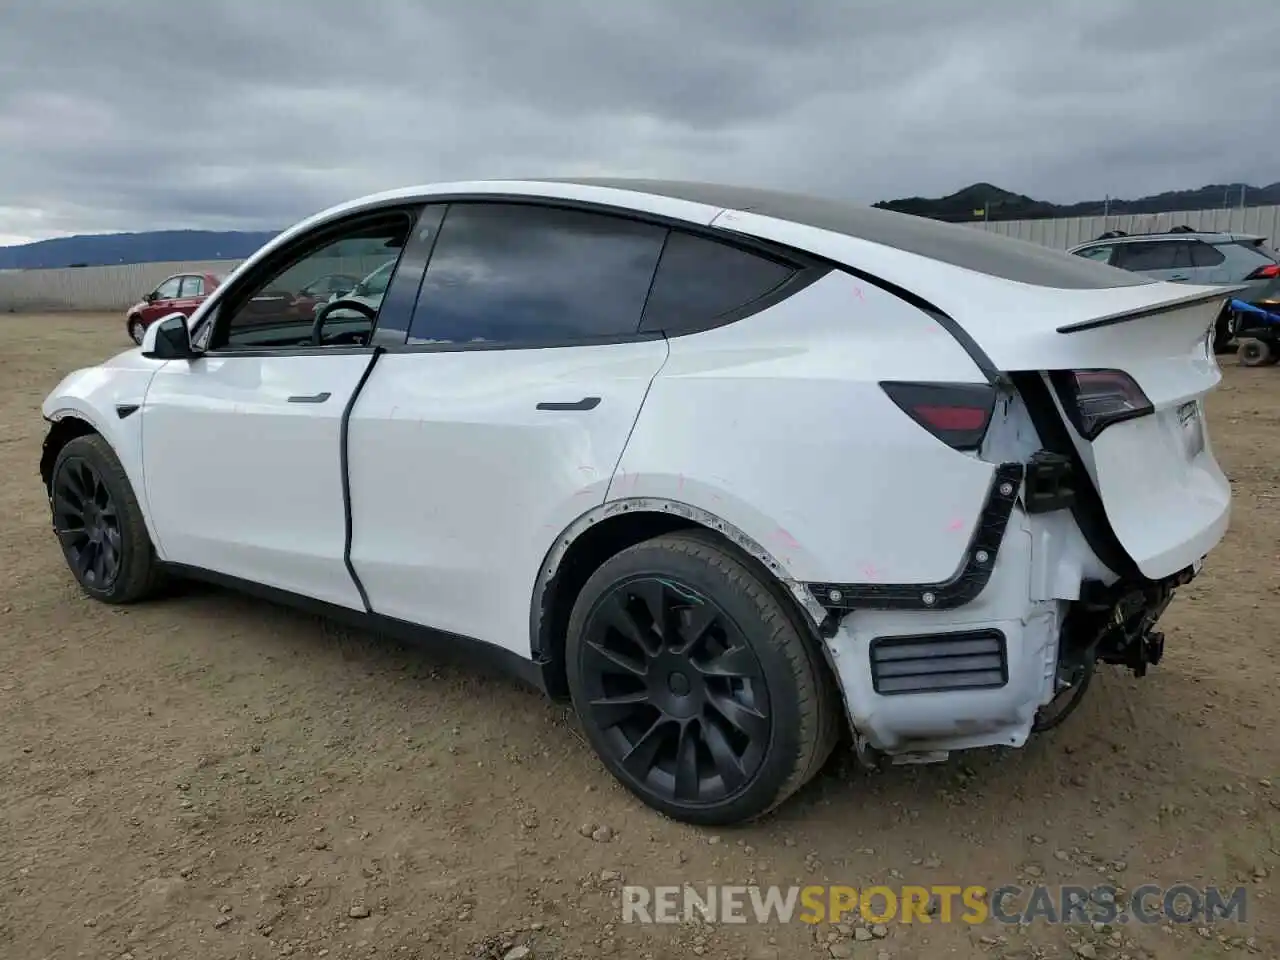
x=83 y=558
x=750 y=721
x=72 y=484
x=727 y=763
x=72 y=537
x=620 y=662
x=620 y=618
x=653 y=593
x=737 y=661
x=611 y=711
x=686 y=780
x=639 y=759
x=99 y=564
x=111 y=557
x=64 y=508
x=692 y=625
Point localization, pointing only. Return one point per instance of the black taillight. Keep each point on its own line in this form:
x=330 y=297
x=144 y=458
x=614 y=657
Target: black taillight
x=958 y=414
x=1095 y=399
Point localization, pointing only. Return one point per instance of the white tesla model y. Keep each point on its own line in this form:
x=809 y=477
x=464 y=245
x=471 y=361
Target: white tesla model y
x=733 y=470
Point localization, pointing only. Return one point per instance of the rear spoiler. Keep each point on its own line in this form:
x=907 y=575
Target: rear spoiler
x=1124 y=316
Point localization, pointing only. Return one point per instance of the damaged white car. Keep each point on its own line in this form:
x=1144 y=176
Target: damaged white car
x=735 y=471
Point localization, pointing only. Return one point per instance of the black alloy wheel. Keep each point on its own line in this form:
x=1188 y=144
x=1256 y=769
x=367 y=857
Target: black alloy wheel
x=87 y=524
x=675 y=690
x=697 y=681
x=99 y=523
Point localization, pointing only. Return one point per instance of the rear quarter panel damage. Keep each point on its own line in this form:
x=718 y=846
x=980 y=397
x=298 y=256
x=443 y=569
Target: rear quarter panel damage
x=777 y=425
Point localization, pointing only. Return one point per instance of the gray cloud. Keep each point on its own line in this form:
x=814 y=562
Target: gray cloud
x=232 y=113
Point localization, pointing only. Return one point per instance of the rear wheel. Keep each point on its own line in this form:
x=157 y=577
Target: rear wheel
x=99 y=523
x=1255 y=353
x=695 y=683
x=137 y=330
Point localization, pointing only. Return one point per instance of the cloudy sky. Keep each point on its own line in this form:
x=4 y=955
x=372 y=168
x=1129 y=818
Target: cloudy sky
x=141 y=114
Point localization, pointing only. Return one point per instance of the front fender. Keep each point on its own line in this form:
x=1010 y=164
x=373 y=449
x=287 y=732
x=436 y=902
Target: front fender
x=109 y=398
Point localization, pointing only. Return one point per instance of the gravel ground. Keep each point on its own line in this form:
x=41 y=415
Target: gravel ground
x=211 y=776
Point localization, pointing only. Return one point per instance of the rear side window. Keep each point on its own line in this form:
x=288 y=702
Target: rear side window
x=1157 y=255
x=1205 y=255
x=700 y=281
x=192 y=287
x=1259 y=250
x=523 y=274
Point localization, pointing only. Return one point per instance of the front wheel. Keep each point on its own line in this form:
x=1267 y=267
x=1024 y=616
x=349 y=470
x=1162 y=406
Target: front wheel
x=137 y=330
x=696 y=684
x=99 y=523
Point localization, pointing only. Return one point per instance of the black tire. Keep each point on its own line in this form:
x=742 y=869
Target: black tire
x=87 y=469
x=136 y=330
x=1255 y=353
x=781 y=676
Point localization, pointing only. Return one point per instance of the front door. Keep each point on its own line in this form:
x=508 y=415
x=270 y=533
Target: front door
x=243 y=445
x=161 y=303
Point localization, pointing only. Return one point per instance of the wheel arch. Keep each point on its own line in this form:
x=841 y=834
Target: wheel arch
x=610 y=528
x=63 y=430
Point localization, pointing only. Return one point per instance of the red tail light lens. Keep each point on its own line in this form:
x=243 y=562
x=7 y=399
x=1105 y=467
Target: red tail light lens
x=1095 y=399
x=958 y=414
x=1270 y=272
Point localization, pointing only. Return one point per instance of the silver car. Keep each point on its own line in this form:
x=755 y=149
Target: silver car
x=1187 y=256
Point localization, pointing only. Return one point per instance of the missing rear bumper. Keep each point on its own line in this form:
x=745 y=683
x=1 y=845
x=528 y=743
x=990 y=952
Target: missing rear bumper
x=968 y=581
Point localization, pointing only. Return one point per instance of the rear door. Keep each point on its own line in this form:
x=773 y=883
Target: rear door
x=503 y=417
x=1162 y=259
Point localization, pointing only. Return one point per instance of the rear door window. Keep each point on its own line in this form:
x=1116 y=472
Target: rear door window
x=530 y=275
x=700 y=282
x=1154 y=255
x=192 y=287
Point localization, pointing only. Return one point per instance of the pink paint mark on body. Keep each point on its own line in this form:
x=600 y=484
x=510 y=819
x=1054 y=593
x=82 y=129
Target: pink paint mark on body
x=871 y=572
x=784 y=536
x=956 y=525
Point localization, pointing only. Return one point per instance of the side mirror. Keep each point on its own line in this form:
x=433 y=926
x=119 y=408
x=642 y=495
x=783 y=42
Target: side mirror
x=168 y=339
x=150 y=297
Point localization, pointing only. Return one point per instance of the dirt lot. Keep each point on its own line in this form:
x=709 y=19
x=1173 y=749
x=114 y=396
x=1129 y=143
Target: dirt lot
x=213 y=776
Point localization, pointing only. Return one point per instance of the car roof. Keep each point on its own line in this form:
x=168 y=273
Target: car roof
x=961 y=246
x=965 y=247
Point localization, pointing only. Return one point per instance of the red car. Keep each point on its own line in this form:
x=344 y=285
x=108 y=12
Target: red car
x=181 y=293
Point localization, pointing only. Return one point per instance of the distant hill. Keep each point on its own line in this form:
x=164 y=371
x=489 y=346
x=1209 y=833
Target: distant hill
x=966 y=204
x=999 y=204
x=115 y=248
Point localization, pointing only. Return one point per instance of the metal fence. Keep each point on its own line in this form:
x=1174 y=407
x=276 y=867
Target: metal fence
x=116 y=287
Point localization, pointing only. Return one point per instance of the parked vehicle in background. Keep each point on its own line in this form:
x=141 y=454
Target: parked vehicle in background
x=326 y=288
x=1184 y=255
x=181 y=293
x=731 y=470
